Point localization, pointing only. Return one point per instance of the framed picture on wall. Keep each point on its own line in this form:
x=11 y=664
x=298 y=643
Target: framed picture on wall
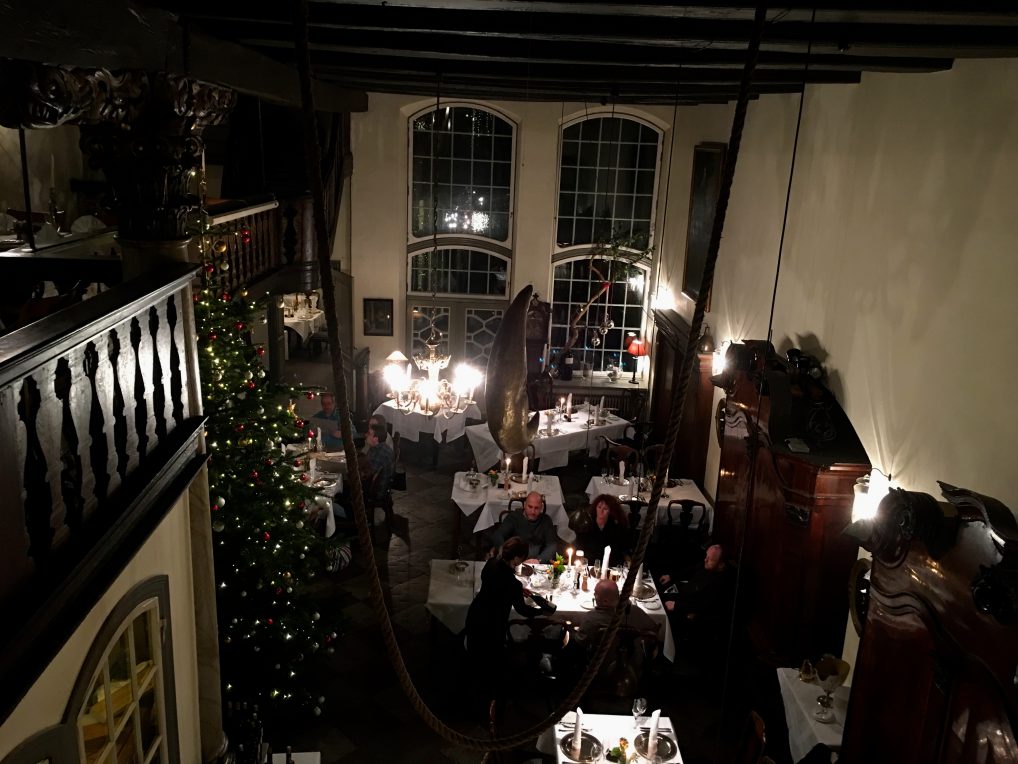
x=377 y=317
x=708 y=160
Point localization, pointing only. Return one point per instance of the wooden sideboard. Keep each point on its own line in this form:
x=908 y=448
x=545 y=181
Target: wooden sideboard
x=789 y=460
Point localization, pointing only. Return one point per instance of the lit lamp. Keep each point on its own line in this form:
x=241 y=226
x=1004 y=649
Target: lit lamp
x=638 y=349
x=705 y=344
x=869 y=490
x=465 y=380
x=395 y=377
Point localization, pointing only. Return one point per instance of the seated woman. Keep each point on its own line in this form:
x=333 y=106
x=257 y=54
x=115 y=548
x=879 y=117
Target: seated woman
x=610 y=528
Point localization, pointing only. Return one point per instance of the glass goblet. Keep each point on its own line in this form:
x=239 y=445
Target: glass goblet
x=639 y=708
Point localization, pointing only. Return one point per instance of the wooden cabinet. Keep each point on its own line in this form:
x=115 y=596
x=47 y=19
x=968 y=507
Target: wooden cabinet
x=789 y=460
x=690 y=457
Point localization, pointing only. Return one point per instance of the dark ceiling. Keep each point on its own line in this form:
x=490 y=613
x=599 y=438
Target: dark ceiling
x=645 y=51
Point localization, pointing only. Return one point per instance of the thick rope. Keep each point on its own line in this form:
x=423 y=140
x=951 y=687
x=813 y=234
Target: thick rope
x=313 y=160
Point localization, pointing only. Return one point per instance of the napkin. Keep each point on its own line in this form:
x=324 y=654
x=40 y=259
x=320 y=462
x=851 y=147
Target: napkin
x=314 y=469
x=569 y=404
x=526 y=463
x=652 y=735
x=604 y=561
x=622 y=470
x=578 y=733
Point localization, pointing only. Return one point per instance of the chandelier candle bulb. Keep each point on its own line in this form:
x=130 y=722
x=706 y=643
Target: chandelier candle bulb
x=604 y=561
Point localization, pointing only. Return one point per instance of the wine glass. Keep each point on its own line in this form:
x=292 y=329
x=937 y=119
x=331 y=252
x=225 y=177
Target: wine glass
x=604 y=472
x=639 y=708
x=831 y=674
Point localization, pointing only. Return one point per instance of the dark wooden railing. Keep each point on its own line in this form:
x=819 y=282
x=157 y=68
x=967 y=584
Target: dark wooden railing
x=100 y=417
x=86 y=395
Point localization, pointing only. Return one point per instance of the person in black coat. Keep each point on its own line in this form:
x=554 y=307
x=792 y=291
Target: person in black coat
x=609 y=527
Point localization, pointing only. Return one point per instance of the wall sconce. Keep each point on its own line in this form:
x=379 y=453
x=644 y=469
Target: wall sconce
x=705 y=344
x=869 y=490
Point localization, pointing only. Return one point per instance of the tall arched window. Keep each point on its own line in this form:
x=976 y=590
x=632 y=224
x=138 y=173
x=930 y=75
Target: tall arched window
x=607 y=194
x=461 y=174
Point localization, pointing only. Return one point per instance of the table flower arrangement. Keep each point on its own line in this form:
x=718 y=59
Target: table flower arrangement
x=493 y=477
x=558 y=566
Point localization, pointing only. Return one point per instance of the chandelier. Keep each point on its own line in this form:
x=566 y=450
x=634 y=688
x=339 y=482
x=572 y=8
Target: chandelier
x=433 y=362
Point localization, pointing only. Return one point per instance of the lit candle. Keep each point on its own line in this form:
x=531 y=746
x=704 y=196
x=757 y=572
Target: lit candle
x=526 y=465
x=604 y=561
x=569 y=554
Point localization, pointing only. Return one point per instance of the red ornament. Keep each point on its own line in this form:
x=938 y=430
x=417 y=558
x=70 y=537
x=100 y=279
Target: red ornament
x=210 y=268
x=297 y=462
x=266 y=536
x=226 y=297
x=254 y=474
x=239 y=427
x=251 y=385
x=239 y=326
x=269 y=462
x=213 y=336
x=300 y=423
x=300 y=505
x=260 y=350
x=245 y=235
x=269 y=621
x=195 y=298
x=311 y=433
x=310 y=395
x=304 y=477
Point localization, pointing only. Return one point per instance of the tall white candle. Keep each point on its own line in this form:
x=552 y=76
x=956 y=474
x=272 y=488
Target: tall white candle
x=600 y=406
x=652 y=735
x=604 y=561
x=622 y=470
x=578 y=733
x=569 y=556
x=526 y=464
x=639 y=574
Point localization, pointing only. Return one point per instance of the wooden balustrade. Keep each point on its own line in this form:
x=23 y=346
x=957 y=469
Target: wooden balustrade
x=88 y=396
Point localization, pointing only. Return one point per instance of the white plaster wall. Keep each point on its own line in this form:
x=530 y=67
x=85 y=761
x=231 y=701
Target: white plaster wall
x=167 y=551
x=899 y=267
x=54 y=149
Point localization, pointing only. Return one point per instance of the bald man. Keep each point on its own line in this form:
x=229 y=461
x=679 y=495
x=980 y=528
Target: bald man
x=532 y=525
x=606 y=597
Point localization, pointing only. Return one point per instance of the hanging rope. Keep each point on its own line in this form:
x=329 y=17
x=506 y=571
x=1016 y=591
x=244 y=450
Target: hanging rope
x=313 y=154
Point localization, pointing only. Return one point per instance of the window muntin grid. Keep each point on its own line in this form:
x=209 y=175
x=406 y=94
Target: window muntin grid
x=473 y=151
x=458 y=271
x=420 y=328
x=573 y=286
x=123 y=718
x=607 y=181
x=481 y=327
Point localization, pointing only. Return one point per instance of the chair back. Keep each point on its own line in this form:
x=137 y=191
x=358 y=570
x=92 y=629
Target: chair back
x=617 y=452
x=751 y=746
x=650 y=456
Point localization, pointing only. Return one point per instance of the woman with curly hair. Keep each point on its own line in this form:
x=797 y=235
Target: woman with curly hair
x=610 y=527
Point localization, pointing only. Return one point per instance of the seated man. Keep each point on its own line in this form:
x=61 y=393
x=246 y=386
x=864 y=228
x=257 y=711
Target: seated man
x=381 y=458
x=606 y=597
x=533 y=526
x=328 y=420
x=705 y=595
x=386 y=440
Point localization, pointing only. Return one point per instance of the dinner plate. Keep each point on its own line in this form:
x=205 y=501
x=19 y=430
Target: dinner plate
x=516 y=477
x=324 y=483
x=590 y=747
x=666 y=747
x=518 y=494
x=651 y=605
x=587 y=605
x=459 y=566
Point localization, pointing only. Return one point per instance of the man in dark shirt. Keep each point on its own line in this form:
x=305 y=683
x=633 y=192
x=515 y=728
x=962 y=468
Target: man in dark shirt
x=532 y=525
x=328 y=420
x=380 y=456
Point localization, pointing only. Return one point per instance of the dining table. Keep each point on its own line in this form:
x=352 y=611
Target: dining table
x=305 y=322
x=325 y=471
x=494 y=499
x=411 y=424
x=607 y=729
x=800 y=700
x=552 y=447
x=680 y=489
x=454 y=584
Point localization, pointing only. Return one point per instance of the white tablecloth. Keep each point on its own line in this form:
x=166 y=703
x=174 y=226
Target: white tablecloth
x=552 y=450
x=450 y=595
x=686 y=490
x=800 y=700
x=410 y=426
x=305 y=325
x=494 y=499
x=607 y=729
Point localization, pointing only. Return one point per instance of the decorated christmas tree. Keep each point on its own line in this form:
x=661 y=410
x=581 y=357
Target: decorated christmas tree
x=265 y=549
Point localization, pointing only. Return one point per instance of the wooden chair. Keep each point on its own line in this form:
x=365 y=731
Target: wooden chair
x=614 y=453
x=650 y=456
x=754 y=738
x=624 y=671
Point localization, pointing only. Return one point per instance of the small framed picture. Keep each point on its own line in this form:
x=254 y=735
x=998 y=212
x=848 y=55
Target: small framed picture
x=377 y=317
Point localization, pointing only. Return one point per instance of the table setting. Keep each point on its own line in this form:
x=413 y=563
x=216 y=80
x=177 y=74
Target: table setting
x=450 y=423
x=610 y=737
x=814 y=710
x=304 y=321
x=494 y=499
x=676 y=489
x=561 y=431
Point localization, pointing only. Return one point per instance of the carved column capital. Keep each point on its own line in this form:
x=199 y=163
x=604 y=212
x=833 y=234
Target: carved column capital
x=143 y=129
